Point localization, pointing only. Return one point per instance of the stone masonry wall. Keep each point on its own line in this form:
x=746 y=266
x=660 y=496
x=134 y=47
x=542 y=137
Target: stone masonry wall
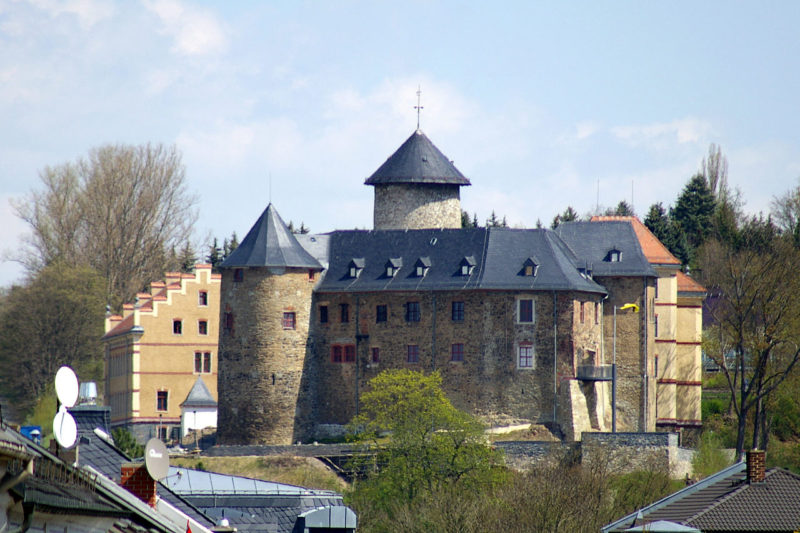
x=488 y=382
x=261 y=360
x=417 y=206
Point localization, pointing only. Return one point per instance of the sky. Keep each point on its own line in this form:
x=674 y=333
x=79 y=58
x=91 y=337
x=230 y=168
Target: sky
x=542 y=105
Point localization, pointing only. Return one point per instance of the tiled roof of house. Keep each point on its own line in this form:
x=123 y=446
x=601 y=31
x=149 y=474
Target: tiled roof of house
x=653 y=249
x=595 y=241
x=199 y=396
x=123 y=327
x=417 y=161
x=269 y=243
x=686 y=284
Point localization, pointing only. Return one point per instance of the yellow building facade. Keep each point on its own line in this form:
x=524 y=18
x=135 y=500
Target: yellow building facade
x=157 y=349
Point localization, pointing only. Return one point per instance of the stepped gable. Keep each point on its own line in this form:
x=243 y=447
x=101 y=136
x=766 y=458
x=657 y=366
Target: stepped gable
x=417 y=161
x=199 y=396
x=594 y=242
x=269 y=243
x=498 y=256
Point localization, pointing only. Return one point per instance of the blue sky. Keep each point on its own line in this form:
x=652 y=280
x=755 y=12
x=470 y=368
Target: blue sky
x=537 y=103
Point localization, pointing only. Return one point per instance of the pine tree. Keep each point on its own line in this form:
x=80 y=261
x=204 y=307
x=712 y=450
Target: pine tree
x=230 y=246
x=214 y=256
x=187 y=258
x=694 y=210
x=669 y=233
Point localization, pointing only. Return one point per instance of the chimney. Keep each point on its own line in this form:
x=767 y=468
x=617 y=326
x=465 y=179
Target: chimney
x=755 y=466
x=138 y=482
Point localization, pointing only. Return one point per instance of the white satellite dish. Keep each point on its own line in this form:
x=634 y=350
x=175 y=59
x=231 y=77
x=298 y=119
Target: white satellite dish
x=64 y=428
x=66 y=386
x=156 y=459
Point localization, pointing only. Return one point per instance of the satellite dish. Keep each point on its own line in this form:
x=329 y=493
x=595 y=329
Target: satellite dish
x=64 y=427
x=66 y=386
x=156 y=459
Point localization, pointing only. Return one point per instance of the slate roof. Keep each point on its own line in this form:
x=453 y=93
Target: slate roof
x=498 y=254
x=727 y=502
x=269 y=243
x=97 y=451
x=417 y=161
x=592 y=242
x=250 y=505
x=199 y=396
x=653 y=249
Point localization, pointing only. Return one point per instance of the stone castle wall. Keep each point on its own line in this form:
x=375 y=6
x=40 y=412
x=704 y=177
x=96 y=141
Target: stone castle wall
x=417 y=206
x=261 y=360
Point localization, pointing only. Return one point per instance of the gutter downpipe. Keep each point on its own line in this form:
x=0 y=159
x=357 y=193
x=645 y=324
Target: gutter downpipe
x=433 y=332
x=358 y=350
x=555 y=358
x=645 y=376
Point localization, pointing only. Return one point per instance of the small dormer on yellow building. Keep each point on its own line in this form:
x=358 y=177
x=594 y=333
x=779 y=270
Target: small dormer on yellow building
x=156 y=350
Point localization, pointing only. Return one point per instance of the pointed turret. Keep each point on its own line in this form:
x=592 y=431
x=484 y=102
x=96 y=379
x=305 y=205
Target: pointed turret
x=418 y=187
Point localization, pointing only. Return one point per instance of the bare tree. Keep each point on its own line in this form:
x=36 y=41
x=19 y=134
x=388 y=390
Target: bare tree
x=121 y=210
x=786 y=210
x=715 y=170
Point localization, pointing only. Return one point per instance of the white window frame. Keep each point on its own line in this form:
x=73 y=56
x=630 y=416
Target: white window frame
x=527 y=346
x=517 y=311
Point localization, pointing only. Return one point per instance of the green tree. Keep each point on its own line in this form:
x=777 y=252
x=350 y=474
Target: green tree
x=694 y=210
x=569 y=215
x=431 y=444
x=786 y=209
x=623 y=209
x=230 y=245
x=125 y=441
x=54 y=320
x=667 y=232
x=187 y=258
x=215 y=256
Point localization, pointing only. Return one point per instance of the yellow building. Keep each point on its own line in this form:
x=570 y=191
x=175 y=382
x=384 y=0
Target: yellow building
x=156 y=350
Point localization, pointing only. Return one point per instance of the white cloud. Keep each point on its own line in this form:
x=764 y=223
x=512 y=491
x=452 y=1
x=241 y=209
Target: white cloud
x=194 y=31
x=661 y=135
x=88 y=12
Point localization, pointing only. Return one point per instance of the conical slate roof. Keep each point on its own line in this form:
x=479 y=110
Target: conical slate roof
x=199 y=396
x=270 y=243
x=417 y=161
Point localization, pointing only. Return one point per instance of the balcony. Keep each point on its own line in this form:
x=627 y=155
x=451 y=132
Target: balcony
x=594 y=373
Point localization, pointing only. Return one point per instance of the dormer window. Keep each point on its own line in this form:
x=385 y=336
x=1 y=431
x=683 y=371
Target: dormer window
x=355 y=267
x=393 y=266
x=613 y=256
x=421 y=266
x=530 y=267
x=467 y=264
x=585 y=270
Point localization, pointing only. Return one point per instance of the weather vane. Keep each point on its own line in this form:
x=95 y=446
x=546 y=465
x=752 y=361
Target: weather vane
x=418 y=107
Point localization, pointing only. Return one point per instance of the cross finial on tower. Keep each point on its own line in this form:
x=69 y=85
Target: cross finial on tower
x=418 y=107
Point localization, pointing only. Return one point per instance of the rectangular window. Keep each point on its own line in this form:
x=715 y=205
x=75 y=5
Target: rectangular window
x=457 y=352
x=202 y=327
x=228 y=322
x=162 y=432
x=525 y=356
x=412 y=353
x=582 y=305
x=655 y=326
x=202 y=363
x=289 y=320
x=311 y=275
x=458 y=311
x=376 y=355
x=525 y=311
x=656 y=289
x=655 y=366
x=202 y=298
x=412 y=312
x=207 y=362
x=596 y=313
x=381 y=313
x=336 y=353
x=238 y=275
x=323 y=314
x=177 y=326
x=344 y=312
x=349 y=353
x=162 y=400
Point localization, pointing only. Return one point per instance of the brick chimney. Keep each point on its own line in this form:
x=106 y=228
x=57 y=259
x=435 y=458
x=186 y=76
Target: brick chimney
x=139 y=483
x=755 y=466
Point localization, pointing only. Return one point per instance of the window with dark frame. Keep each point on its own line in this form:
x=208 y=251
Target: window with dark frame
x=655 y=326
x=323 y=314
x=349 y=353
x=289 y=320
x=177 y=326
x=202 y=362
x=228 y=322
x=202 y=298
x=202 y=327
x=412 y=312
x=457 y=352
x=596 y=313
x=525 y=356
x=412 y=353
x=381 y=313
x=376 y=355
x=458 y=311
x=162 y=400
x=343 y=353
x=583 y=306
x=238 y=275
x=336 y=353
x=311 y=275
x=344 y=313
x=525 y=311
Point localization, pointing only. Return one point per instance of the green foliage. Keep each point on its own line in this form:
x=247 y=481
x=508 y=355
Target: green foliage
x=127 y=443
x=569 y=215
x=431 y=446
x=709 y=457
x=187 y=257
x=694 y=210
x=43 y=412
x=667 y=232
x=623 y=209
x=54 y=320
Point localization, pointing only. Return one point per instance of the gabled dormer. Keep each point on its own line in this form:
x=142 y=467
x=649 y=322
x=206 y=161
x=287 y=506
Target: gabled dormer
x=613 y=256
x=421 y=267
x=355 y=266
x=530 y=267
x=393 y=265
x=585 y=269
x=466 y=265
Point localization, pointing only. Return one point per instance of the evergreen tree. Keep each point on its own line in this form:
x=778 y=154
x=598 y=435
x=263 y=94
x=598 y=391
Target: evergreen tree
x=230 y=245
x=466 y=221
x=569 y=215
x=303 y=229
x=623 y=209
x=214 y=256
x=694 y=210
x=187 y=258
x=475 y=221
x=667 y=232
x=492 y=221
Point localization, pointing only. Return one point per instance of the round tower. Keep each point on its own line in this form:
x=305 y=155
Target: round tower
x=265 y=307
x=417 y=188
